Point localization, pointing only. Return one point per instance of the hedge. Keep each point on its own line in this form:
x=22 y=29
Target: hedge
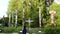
x=52 y=30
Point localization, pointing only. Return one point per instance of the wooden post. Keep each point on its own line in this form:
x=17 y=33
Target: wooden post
x=23 y=20
x=16 y=19
x=9 y=20
x=29 y=21
x=39 y=17
x=52 y=17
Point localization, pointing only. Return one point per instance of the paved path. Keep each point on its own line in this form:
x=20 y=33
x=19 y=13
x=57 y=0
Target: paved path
x=8 y=33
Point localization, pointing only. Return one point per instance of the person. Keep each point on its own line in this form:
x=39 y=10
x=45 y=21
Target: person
x=3 y=23
x=24 y=30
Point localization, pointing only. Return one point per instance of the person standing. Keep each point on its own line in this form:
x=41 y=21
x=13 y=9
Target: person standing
x=24 y=30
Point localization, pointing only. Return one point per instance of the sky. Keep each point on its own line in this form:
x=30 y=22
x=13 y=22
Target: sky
x=3 y=8
x=57 y=1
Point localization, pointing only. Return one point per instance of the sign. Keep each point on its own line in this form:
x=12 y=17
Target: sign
x=29 y=21
x=52 y=12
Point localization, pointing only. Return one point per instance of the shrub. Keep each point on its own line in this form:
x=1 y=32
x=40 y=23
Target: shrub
x=50 y=30
x=10 y=29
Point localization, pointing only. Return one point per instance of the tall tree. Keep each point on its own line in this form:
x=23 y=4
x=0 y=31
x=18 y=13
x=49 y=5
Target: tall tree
x=31 y=9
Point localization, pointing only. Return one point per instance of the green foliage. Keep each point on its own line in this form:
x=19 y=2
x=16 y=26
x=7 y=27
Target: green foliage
x=56 y=7
x=10 y=29
x=50 y=30
x=31 y=9
x=5 y=21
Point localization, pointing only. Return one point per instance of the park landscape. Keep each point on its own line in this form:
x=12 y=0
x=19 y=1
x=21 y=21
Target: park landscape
x=39 y=17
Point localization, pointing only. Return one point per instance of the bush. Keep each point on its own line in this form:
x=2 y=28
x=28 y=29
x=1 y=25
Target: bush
x=50 y=30
x=10 y=29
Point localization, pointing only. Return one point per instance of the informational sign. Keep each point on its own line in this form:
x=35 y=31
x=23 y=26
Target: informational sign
x=29 y=21
x=52 y=12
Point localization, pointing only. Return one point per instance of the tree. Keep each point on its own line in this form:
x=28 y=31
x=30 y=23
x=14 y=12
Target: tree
x=56 y=7
x=5 y=21
x=31 y=9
